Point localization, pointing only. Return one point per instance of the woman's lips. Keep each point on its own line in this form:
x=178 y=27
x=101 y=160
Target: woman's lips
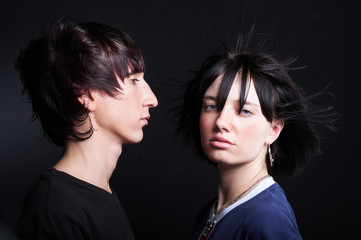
x=220 y=142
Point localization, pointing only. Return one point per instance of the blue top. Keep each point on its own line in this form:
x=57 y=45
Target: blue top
x=268 y=215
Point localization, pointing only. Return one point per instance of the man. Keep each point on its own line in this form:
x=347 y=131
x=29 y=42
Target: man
x=86 y=85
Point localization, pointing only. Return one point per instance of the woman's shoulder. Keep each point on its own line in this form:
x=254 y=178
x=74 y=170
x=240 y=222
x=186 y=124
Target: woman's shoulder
x=268 y=214
x=269 y=204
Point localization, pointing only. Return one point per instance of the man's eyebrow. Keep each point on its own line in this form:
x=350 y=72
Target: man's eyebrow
x=134 y=73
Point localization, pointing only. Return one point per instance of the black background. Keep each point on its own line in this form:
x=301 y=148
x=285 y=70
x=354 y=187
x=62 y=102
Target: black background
x=160 y=182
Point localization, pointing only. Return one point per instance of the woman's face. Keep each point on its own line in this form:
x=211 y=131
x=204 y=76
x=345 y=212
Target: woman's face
x=232 y=136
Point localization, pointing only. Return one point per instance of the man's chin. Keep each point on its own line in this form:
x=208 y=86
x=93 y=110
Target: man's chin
x=134 y=139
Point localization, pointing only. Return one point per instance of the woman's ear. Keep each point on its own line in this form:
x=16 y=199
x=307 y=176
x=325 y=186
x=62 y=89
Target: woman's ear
x=277 y=127
x=87 y=99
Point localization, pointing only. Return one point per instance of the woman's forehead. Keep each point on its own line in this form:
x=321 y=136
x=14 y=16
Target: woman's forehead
x=213 y=89
x=216 y=84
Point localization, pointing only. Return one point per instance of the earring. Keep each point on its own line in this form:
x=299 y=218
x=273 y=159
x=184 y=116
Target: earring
x=270 y=155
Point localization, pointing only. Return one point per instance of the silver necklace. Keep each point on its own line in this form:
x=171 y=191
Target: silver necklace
x=212 y=221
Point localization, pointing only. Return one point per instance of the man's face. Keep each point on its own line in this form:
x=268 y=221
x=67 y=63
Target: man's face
x=122 y=117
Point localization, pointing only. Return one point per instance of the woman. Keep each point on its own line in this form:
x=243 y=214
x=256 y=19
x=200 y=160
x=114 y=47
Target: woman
x=243 y=113
x=86 y=85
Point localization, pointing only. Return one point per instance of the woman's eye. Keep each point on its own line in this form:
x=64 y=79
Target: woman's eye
x=134 y=80
x=245 y=112
x=210 y=107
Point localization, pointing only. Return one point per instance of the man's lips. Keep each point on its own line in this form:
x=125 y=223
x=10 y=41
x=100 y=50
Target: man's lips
x=145 y=120
x=220 y=142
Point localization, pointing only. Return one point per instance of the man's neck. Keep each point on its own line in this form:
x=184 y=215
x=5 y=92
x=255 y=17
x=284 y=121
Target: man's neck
x=90 y=161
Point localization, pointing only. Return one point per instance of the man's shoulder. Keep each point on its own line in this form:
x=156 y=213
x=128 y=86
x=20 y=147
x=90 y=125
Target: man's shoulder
x=57 y=192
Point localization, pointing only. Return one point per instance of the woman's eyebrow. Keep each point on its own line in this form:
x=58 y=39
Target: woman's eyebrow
x=247 y=103
x=251 y=103
x=209 y=97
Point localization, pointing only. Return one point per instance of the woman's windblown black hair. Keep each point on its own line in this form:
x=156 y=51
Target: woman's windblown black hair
x=279 y=96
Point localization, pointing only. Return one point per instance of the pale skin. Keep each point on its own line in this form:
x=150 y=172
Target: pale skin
x=116 y=120
x=236 y=140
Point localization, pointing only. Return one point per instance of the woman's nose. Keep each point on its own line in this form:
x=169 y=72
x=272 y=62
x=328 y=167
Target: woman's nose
x=223 y=122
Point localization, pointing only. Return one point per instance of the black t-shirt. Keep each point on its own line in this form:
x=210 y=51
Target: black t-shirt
x=63 y=207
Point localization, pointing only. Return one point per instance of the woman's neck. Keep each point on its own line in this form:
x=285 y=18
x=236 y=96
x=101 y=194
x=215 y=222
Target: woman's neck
x=91 y=161
x=235 y=180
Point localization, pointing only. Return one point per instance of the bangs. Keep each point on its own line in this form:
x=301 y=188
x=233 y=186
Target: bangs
x=135 y=59
x=264 y=90
x=129 y=62
x=243 y=69
x=230 y=74
x=136 y=63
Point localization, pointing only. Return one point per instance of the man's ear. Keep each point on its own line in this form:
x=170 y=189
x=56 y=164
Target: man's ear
x=88 y=101
x=277 y=127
